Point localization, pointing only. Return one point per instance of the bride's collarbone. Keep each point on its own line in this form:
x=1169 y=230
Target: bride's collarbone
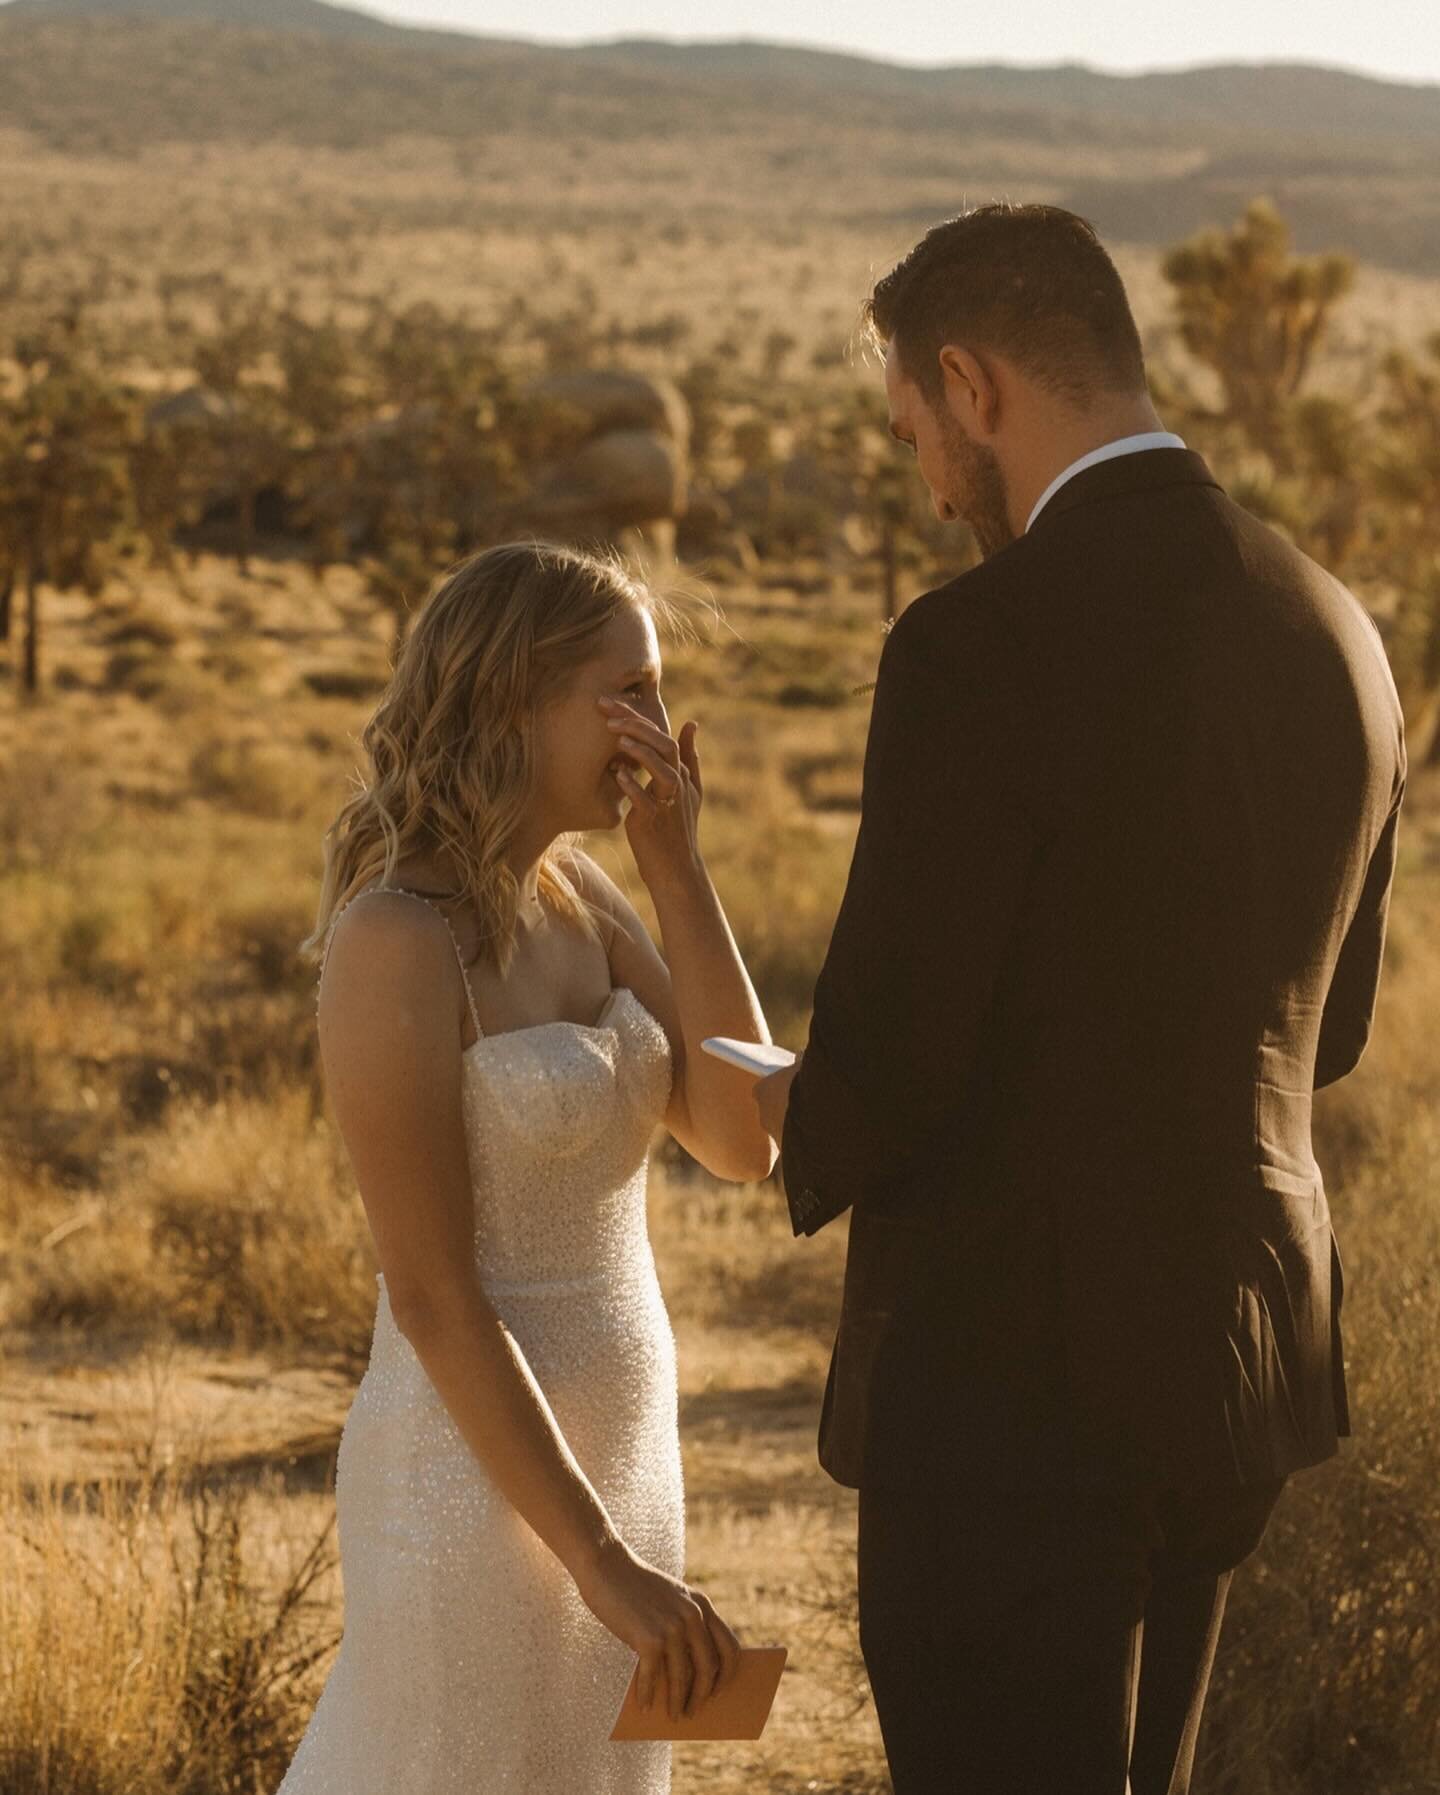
x=506 y=1014
x=539 y=988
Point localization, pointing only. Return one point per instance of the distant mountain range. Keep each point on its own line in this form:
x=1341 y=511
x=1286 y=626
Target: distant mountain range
x=1352 y=160
x=267 y=15
x=1287 y=97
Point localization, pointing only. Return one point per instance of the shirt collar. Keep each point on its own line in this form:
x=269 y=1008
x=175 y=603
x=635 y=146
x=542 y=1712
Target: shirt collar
x=1123 y=445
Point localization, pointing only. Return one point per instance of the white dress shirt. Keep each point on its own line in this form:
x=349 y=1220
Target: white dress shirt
x=1123 y=445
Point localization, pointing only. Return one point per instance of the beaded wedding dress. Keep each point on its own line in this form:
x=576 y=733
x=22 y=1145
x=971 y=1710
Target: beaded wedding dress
x=468 y=1663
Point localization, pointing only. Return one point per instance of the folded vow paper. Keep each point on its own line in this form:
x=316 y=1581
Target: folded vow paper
x=738 y=1711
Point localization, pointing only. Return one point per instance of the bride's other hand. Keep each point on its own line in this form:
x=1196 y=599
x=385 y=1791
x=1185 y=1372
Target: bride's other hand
x=682 y=1641
x=661 y=821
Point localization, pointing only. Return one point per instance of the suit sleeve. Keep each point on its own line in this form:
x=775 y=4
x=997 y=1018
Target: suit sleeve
x=1355 y=983
x=945 y=845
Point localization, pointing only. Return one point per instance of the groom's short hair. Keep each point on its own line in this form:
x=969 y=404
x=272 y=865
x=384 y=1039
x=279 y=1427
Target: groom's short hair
x=1030 y=282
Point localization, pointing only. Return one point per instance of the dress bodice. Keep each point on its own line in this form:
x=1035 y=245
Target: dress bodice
x=559 y=1118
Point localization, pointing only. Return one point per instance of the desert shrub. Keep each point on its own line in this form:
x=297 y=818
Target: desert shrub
x=145 y=1651
x=175 y=687
x=141 y=623
x=254 y=778
x=262 y=936
x=237 y=1224
x=346 y=682
x=1329 y=1670
x=237 y=662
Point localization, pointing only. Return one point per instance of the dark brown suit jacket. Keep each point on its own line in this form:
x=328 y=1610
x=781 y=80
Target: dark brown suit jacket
x=1116 y=908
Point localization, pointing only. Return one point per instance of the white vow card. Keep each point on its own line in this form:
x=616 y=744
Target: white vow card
x=759 y=1057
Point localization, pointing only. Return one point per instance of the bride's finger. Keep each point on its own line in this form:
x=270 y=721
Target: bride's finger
x=631 y=723
x=678 y=1673
x=727 y=1646
x=690 y=754
x=669 y=777
x=639 y=795
x=651 y=1675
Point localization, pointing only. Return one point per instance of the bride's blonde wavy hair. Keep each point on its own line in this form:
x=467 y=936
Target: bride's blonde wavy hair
x=450 y=743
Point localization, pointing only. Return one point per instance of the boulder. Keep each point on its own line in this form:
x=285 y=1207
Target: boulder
x=611 y=399
x=622 y=477
x=196 y=406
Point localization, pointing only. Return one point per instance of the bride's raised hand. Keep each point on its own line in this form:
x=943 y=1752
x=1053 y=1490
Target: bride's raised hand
x=664 y=811
x=682 y=1642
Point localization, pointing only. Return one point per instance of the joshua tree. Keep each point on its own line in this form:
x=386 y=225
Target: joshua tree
x=248 y=433
x=64 y=491
x=1407 y=480
x=327 y=393
x=1255 y=314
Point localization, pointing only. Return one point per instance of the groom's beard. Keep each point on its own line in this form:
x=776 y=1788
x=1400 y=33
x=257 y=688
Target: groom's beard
x=977 y=489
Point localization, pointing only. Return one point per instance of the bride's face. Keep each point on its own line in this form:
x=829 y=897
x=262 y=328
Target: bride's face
x=575 y=754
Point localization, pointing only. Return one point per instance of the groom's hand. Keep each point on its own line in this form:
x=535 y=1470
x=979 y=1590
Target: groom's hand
x=772 y=1099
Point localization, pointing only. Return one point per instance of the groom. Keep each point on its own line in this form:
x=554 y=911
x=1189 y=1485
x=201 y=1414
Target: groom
x=1116 y=909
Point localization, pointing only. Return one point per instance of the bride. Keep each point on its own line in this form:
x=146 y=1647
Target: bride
x=498 y=1048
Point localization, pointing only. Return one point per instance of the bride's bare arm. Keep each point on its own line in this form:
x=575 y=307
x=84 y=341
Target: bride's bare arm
x=698 y=987
x=389 y=1025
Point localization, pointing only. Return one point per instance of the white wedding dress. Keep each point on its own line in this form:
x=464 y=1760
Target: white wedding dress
x=468 y=1663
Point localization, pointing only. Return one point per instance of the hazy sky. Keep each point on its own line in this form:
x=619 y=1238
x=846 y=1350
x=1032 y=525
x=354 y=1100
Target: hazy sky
x=1395 y=38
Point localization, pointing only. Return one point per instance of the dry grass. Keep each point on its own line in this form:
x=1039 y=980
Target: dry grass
x=238 y=1225
x=160 y=1631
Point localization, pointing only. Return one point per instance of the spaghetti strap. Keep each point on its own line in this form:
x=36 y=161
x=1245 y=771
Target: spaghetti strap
x=399 y=891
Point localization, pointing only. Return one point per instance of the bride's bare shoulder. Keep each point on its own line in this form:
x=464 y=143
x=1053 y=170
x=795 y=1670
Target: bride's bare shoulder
x=378 y=937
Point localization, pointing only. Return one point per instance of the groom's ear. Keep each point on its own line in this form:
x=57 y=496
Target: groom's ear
x=971 y=388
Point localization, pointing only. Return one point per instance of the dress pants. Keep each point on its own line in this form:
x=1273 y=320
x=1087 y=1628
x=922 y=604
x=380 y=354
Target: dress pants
x=1057 y=1640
